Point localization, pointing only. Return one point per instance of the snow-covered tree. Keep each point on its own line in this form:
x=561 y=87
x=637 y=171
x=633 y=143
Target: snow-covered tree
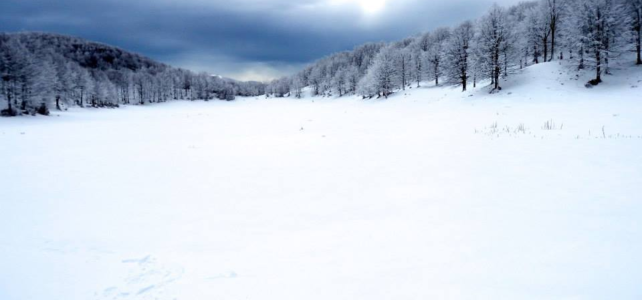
x=279 y=88
x=339 y=82
x=458 y=51
x=39 y=69
x=435 y=53
x=352 y=79
x=62 y=86
x=595 y=30
x=633 y=20
x=417 y=64
x=81 y=82
x=297 y=86
x=403 y=64
x=493 y=43
x=537 y=33
x=423 y=42
x=317 y=76
x=12 y=66
x=381 y=76
x=553 y=12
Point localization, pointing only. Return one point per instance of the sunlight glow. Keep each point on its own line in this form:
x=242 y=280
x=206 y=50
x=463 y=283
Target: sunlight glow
x=368 y=7
x=372 y=6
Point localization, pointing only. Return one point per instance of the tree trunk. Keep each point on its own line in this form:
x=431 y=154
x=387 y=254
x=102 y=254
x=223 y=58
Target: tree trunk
x=437 y=74
x=545 y=41
x=598 y=69
x=6 y=89
x=505 y=65
x=581 y=65
x=552 y=45
x=553 y=30
x=58 y=103
x=498 y=69
x=638 y=37
x=9 y=103
x=638 y=45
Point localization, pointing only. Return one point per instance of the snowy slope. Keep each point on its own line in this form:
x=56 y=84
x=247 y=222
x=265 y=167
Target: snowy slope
x=431 y=194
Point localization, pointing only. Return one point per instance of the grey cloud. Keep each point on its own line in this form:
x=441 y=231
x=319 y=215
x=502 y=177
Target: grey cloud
x=247 y=39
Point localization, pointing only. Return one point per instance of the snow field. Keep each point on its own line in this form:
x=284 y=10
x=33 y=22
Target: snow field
x=431 y=194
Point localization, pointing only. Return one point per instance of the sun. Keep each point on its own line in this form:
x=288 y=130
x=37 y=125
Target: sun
x=371 y=6
x=368 y=7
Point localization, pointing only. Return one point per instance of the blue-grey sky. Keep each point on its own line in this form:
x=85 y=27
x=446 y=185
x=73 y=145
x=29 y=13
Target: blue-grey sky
x=242 y=39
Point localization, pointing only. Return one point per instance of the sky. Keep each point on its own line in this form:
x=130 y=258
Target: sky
x=240 y=39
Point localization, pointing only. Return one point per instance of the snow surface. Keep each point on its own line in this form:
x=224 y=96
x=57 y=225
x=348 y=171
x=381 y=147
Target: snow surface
x=431 y=194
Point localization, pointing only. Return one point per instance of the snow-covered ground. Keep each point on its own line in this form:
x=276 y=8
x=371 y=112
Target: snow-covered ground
x=533 y=193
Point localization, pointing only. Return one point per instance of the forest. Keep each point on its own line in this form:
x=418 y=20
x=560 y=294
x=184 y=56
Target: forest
x=590 y=34
x=40 y=71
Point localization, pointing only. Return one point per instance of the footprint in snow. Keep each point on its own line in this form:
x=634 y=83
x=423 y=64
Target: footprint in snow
x=145 y=289
x=146 y=279
x=139 y=261
x=230 y=275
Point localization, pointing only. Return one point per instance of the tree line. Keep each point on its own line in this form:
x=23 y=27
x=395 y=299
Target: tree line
x=590 y=34
x=39 y=71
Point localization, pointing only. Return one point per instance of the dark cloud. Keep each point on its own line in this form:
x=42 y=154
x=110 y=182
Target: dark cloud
x=246 y=39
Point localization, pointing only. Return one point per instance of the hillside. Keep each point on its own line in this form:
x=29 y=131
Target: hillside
x=589 y=35
x=42 y=71
x=531 y=193
x=87 y=54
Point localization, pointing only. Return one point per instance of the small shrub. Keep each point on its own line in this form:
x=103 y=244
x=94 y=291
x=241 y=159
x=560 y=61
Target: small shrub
x=594 y=82
x=550 y=125
x=43 y=110
x=493 y=127
x=521 y=128
x=9 y=112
